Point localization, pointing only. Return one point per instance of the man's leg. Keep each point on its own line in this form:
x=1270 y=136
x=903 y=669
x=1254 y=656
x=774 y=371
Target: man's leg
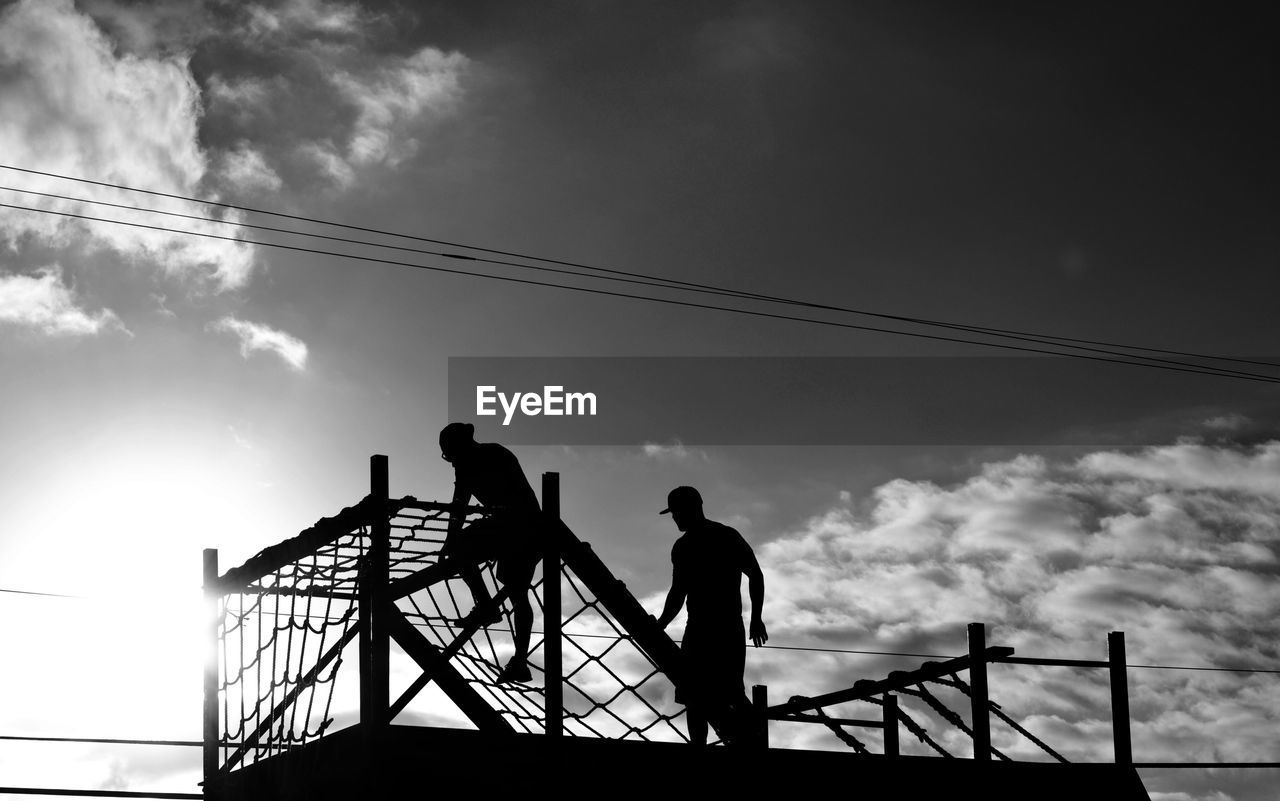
x=516 y=574
x=466 y=551
x=523 y=614
x=697 y=727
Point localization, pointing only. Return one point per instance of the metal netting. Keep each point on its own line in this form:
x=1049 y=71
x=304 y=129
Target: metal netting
x=282 y=640
x=611 y=687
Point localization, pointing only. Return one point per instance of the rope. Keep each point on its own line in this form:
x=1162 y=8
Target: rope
x=836 y=729
x=947 y=714
x=960 y=684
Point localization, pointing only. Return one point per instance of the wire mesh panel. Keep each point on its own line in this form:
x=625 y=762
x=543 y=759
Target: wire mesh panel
x=611 y=687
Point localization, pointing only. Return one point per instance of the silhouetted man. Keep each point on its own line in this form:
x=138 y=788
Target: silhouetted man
x=707 y=565
x=492 y=474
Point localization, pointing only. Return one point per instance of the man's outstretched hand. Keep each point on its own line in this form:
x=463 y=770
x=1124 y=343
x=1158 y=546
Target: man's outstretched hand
x=758 y=634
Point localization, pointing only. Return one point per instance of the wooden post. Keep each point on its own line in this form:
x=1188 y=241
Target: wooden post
x=1118 y=670
x=552 y=607
x=374 y=640
x=890 y=710
x=211 y=730
x=760 y=705
x=978 y=696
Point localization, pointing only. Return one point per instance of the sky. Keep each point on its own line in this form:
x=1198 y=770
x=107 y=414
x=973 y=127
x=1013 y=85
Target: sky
x=1088 y=172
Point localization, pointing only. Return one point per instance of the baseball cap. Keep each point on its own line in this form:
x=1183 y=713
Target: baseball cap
x=682 y=496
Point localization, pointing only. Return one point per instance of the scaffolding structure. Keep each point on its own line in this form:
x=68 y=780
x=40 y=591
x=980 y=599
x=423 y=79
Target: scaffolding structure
x=283 y=624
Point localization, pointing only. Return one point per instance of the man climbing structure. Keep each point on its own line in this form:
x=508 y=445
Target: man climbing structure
x=707 y=565
x=511 y=534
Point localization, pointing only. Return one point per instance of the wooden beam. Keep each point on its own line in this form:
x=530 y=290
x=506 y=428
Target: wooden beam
x=408 y=585
x=211 y=727
x=272 y=558
x=1075 y=663
x=889 y=708
x=437 y=668
x=552 y=611
x=410 y=502
x=979 y=699
x=1120 y=732
x=760 y=706
x=463 y=636
x=375 y=693
x=313 y=592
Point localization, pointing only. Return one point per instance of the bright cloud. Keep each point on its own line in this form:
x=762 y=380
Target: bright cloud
x=675 y=452
x=44 y=303
x=395 y=102
x=1177 y=546
x=259 y=337
x=245 y=169
x=70 y=104
x=307 y=17
x=327 y=104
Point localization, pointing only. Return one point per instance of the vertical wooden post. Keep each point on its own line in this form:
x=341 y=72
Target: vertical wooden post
x=1118 y=671
x=374 y=639
x=552 y=607
x=978 y=694
x=760 y=706
x=211 y=730
x=890 y=710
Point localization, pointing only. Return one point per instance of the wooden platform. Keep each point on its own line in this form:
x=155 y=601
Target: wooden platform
x=426 y=762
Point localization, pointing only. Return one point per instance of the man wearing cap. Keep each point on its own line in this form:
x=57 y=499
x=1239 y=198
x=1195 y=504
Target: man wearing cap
x=492 y=474
x=707 y=565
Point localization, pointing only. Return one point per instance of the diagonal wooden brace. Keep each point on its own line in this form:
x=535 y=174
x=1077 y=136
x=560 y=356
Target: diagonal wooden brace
x=435 y=667
x=464 y=636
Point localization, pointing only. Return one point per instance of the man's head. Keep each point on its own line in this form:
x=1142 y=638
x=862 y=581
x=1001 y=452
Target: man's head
x=455 y=439
x=684 y=504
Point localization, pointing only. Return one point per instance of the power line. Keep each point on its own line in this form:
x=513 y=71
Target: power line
x=1209 y=371
x=647 y=279
x=94 y=793
x=44 y=594
x=813 y=649
x=661 y=283
x=105 y=740
x=656 y=282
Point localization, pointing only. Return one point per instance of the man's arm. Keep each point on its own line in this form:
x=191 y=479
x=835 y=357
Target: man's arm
x=457 y=513
x=675 y=596
x=755 y=588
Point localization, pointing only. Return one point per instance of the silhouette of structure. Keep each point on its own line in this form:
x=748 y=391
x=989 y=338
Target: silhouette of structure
x=600 y=717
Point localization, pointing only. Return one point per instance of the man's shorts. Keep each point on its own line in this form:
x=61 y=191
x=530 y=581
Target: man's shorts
x=510 y=541
x=714 y=657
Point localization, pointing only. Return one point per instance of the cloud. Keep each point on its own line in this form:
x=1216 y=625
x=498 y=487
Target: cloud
x=245 y=169
x=70 y=104
x=397 y=101
x=1227 y=422
x=328 y=100
x=308 y=17
x=44 y=303
x=675 y=452
x=1177 y=546
x=259 y=337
